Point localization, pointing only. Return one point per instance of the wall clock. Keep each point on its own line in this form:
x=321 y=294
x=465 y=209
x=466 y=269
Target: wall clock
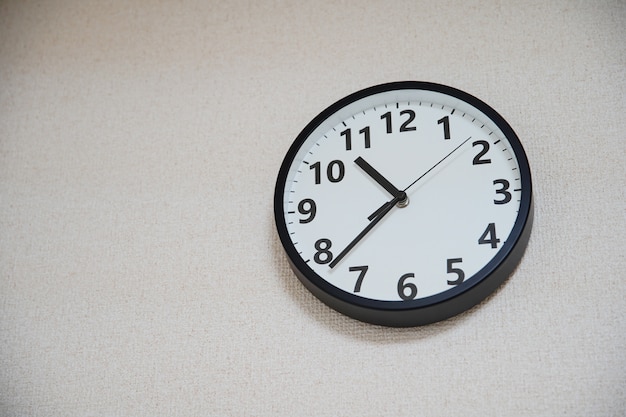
x=405 y=203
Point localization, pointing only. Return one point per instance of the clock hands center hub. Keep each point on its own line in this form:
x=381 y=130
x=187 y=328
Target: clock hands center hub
x=400 y=196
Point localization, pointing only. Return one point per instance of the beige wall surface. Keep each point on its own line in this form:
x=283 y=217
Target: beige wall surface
x=140 y=269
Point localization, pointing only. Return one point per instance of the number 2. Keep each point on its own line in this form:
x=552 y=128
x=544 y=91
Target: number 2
x=485 y=148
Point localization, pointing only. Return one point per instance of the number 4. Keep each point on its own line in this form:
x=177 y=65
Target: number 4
x=489 y=236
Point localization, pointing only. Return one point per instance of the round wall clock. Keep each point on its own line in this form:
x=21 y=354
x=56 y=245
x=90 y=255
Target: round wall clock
x=405 y=203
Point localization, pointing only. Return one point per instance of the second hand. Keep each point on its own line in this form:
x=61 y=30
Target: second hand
x=375 y=214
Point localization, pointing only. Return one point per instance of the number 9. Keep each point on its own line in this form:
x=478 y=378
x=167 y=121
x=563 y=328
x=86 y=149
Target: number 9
x=307 y=207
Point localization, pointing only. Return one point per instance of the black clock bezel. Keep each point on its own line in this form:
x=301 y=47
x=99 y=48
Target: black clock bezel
x=439 y=306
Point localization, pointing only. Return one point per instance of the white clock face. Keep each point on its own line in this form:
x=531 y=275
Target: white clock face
x=401 y=195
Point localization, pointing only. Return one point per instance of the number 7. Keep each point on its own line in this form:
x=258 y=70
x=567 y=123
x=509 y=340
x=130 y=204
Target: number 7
x=359 y=280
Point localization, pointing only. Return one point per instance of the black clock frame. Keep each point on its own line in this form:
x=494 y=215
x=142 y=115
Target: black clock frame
x=437 y=307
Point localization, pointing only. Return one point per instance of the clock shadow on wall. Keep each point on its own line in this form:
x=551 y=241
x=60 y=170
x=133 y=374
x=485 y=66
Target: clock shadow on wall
x=403 y=204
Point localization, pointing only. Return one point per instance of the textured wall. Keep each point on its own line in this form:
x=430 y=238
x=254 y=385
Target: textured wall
x=140 y=271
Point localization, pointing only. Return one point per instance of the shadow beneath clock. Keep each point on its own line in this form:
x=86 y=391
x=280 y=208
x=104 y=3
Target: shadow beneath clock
x=331 y=319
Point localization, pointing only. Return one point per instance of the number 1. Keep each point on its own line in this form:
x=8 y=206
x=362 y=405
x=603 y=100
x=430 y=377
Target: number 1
x=446 y=126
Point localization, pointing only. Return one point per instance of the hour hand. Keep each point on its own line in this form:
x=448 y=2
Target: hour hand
x=399 y=196
x=377 y=176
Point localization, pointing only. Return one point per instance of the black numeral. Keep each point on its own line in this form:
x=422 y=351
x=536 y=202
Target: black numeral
x=458 y=271
x=506 y=196
x=362 y=270
x=485 y=148
x=489 y=236
x=387 y=117
x=323 y=254
x=405 y=126
x=330 y=171
x=334 y=175
x=316 y=169
x=348 y=135
x=403 y=286
x=307 y=207
x=366 y=133
x=446 y=126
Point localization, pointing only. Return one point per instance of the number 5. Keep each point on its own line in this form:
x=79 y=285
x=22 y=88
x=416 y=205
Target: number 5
x=458 y=271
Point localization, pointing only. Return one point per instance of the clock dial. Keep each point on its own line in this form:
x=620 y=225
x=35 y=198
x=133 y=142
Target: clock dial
x=397 y=200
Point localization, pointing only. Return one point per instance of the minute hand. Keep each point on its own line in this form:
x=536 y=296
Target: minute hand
x=383 y=211
x=378 y=211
